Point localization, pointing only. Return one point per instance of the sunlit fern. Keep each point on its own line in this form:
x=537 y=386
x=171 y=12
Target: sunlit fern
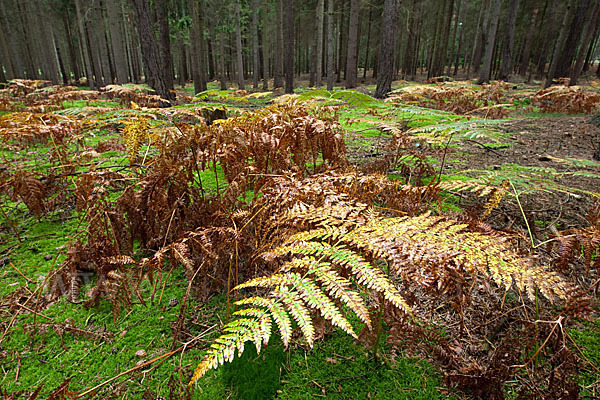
x=425 y=251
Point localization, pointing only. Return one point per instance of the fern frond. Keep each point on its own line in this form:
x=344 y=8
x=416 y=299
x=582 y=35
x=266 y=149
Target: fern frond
x=135 y=133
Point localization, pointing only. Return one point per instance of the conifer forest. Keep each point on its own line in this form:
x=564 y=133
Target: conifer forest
x=286 y=199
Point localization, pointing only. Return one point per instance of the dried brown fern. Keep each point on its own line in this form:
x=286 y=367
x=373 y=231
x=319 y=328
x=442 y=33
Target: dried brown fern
x=426 y=251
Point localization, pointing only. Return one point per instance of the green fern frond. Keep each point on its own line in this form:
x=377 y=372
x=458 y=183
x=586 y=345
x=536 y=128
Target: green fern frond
x=426 y=251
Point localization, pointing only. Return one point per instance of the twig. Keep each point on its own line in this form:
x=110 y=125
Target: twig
x=32 y=311
x=20 y=273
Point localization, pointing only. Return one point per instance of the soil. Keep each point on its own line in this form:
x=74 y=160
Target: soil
x=535 y=142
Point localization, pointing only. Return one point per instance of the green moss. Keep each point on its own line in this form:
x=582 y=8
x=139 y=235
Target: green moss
x=338 y=368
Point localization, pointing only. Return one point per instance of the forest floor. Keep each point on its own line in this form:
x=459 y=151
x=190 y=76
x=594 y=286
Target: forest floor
x=529 y=149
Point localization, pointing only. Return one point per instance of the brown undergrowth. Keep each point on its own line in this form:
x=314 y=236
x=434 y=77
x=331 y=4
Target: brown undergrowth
x=308 y=239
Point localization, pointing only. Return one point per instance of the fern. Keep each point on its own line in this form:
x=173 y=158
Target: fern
x=425 y=251
x=135 y=133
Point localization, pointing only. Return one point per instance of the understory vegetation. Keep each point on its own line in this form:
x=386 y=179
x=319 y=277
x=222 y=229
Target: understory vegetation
x=443 y=242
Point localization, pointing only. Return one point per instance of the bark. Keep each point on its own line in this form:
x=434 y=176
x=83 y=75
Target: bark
x=351 y=64
x=330 y=43
x=317 y=60
x=6 y=60
x=278 y=59
x=101 y=42
x=223 y=77
x=387 y=51
x=255 y=47
x=9 y=55
x=368 y=42
x=198 y=67
x=157 y=76
x=164 y=43
x=486 y=68
x=265 y=46
x=560 y=42
x=526 y=55
x=116 y=40
x=84 y=48
x=454 y=32
x=480 y=37
x=509 y=41
x=548 y=36
x=460 y=43
x=589 y=30
x=238 y=46
x=573 y=38
x=289 y=46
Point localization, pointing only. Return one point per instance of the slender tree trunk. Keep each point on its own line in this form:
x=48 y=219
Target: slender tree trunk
x=289 y=46
x=526 y=55
x=159 y=76
x=573 y=38
x=266 y=47
x=14 y=57
x=486 y=69
x=278 y=59
x=509 y=41
x=255 y=48
x=222 y=77
x=453 y=40
x=164 y=43
x=548 y=35
x=387 y=52
x=84 y=48
x=351 y=65
x=102 y=43
x=198 y=66
x=330 y=43
x=460 y=43
x=481 y=37
x=560 y=42
x=119 y=57
x=589 y=30
x=238 y=46
x=368 y=42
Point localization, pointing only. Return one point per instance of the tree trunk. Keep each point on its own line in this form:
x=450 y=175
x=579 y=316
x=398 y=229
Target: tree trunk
x=330 y=43
x=101 y=42
x=589 y=30
x=255 y=48
x=116 y=40
x=159 y=78
x=526 y=55
x=560 y=42
x=196 y=31
x=454 y=33
x=265 y=46
x=278 y=58
x=387 y=51
x=164 y=42
x=238 y=46
x=460 y=42
x=486 y=69
x=223 y=77
x=480 y=37
x=289 y=46
x=509 y=41
x=351 y=65
x=571 y=44
x=84 y=48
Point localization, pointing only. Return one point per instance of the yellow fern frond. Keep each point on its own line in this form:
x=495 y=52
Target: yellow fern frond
x=134 y=133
